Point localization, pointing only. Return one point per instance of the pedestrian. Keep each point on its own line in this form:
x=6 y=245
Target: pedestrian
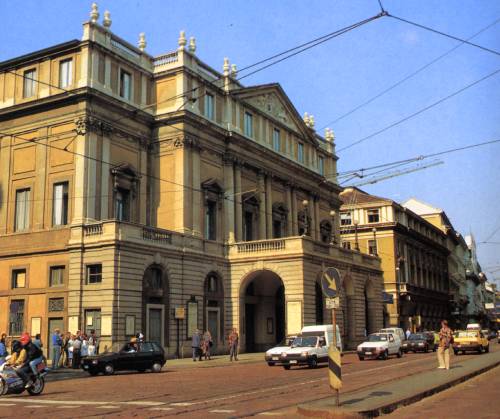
x=207 y=344
x=140 y=337
x=3 y=350
x=234 y=340
x=408 y=333
x=77 y=346
x=84 y=350
x=93 y=343
x=70 y=350
x=445 y=340
x=56 y=348
x=64 y=350
x=196 y=344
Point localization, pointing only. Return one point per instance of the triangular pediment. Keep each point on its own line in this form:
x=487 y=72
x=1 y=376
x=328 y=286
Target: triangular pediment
x=273 y=101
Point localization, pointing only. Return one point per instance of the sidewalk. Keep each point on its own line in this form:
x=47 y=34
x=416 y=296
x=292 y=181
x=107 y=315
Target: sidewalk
x=387 y=397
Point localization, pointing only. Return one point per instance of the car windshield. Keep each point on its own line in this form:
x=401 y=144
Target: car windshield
x=468 y=334
x=416 y=337
x=286 y=342
x=377 y=338
x=301 y=342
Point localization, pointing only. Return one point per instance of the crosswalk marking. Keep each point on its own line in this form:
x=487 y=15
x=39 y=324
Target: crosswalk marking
x=7 y=404
x=161 y=408
x=108 y=407
x=181 y=404
x=68 y=407
x=221 y=411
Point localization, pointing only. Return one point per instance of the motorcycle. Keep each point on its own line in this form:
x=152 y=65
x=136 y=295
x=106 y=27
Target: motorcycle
x=11 y=383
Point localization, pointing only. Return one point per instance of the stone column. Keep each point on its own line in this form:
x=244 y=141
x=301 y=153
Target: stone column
x=238 y=209
x=228 y=203
x=196 y=185
x=105 y=167
x=262 y=207
x=289 y=218
x=295 y=224
x=371 y=327
x=269 y=207
x=351 y=321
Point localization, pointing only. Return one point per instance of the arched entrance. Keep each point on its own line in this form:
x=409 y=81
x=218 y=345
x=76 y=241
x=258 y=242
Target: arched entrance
x=155 y=307
x=370 y=308
x=213 y=308
x=263 y=310
x=349 y=313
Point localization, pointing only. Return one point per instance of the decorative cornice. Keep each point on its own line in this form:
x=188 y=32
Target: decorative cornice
x=87 y=124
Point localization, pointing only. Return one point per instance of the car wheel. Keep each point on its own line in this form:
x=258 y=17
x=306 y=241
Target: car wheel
x=385 y=355
x=361 y=358
x=271 y=364
x=400 y=353
x=313 y=362
x=287 y=367
x=487 y=349
x=480 y=350
x=156 y=367
x=109 y=369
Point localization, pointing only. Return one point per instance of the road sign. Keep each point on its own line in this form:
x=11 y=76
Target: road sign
x=333 y=303
x=331 y=282
x=334 y=368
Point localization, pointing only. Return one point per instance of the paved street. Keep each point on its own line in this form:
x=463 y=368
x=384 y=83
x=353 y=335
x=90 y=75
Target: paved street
x=232 y=390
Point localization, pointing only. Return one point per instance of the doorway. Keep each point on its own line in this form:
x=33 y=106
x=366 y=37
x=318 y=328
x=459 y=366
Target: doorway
x=213 y=325
x=154 y=323
x=54 y=323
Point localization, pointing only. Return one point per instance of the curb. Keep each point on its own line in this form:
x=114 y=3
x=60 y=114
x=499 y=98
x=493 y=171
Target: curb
x=342 y=413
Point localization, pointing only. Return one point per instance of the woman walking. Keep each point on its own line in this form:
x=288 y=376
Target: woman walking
x=207 y=344
x=445 y=341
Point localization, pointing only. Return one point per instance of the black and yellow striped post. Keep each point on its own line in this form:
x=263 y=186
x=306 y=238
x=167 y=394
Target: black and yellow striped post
x=334 y=362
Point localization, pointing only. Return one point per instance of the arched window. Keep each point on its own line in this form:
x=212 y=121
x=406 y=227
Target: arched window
x=155 y=305
x=213 y=193
x=125 y=181
x=279 y=220
x=250 y=216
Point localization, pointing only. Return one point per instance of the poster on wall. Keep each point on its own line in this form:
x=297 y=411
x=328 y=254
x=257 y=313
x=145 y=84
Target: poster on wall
x=36 y=325
x=293 y=317
x=129 y=325
x=192 y=318
x=73 y=324
x=106 y=325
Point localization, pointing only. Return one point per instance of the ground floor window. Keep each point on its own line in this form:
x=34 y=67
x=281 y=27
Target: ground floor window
x=16 y=317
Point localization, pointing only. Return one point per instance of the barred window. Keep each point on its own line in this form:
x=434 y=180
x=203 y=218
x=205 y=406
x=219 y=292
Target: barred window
x=16 y=317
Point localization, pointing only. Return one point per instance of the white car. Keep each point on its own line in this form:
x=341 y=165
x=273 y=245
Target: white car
x=380 y=345
x=305 y=350
x=273 y=355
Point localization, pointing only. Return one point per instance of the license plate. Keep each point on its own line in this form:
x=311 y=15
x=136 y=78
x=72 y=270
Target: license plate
x=293 y=362
x=368 y=353
x=276 y=358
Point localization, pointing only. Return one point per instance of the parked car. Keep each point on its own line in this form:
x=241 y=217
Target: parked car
x=419 y=342
x=273 y=355
x=133 y=356
x=470 y=340
x=305 y=350
x=395 y=331
x=380 y=345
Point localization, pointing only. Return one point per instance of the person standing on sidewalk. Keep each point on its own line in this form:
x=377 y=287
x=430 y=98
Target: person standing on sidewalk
x=77 y=346
x=196 y=345
x=56 y=348
x=234 y=340
x=207 y=344
x=445 y=340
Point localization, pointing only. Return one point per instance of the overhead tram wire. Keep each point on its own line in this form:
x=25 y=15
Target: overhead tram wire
x=426 y=108
x=443 y=34
x=406 y=78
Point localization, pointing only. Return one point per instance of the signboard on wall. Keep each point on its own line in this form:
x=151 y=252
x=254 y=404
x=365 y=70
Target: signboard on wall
x=293 y=317
x=180 y=313
x=36 y=325
x=73 y=324
x=106 y=325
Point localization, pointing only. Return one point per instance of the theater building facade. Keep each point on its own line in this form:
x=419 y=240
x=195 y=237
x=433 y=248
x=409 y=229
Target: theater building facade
x=155 y=194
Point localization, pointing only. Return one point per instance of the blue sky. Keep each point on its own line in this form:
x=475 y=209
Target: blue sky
x=335 y=77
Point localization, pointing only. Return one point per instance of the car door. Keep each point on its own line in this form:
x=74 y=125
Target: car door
x=393 y=346
x=144 y=358
x=126 y=360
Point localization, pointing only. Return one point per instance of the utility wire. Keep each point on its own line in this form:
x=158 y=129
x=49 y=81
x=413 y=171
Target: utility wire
x=398 y=83
x=394 y=124
x=443 y=34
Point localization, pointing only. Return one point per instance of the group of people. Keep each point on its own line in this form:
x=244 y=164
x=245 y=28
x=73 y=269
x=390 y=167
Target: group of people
x=69 y=349
x=201 y=345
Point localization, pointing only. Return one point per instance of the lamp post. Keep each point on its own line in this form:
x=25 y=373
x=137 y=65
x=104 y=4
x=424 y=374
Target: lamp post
x=333 y=238
x=375 y=252
x=305 y=203
x=356 y=242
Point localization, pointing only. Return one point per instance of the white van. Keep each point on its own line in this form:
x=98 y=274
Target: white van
x=395 y=331
x=323 y=330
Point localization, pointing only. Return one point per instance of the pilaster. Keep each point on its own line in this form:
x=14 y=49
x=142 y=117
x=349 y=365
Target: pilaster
x=238 y=202
x=262 y=206
x=228 y=201
x=269 y=206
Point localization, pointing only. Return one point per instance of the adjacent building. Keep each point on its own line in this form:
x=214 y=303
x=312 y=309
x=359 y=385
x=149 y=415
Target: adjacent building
x=156 y=194
x=413 y=252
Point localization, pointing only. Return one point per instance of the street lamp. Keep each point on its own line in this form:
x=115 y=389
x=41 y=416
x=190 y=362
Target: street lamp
x=333 y=239
x=356 y=242
x=374 y=230
x=305 y=203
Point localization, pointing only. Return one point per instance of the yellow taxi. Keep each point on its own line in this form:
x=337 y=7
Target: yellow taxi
x=470 y=340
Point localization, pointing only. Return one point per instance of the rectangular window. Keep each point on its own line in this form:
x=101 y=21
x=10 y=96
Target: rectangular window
x=16 y=317
x=29 y=83
x=66 y=73
x=248 y=124
x=211 y=220
x=94 y=274
x=373 y=215
x=346 y=245
x=345 y=218
x=372 y=247
x=22 y=218
x=56 y=304
x=300 y=152
x=209 y=106
x=276 y=140
x=125 y=85
x=321 y=165
x=56 y=276
x=122 y=205
x=19 y=278
x=60 y=204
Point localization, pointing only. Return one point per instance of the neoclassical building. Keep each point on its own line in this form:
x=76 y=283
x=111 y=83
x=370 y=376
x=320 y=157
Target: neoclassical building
x=155 y=194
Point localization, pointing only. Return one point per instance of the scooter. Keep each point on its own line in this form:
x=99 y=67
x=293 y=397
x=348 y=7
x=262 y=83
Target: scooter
x=11 y=383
